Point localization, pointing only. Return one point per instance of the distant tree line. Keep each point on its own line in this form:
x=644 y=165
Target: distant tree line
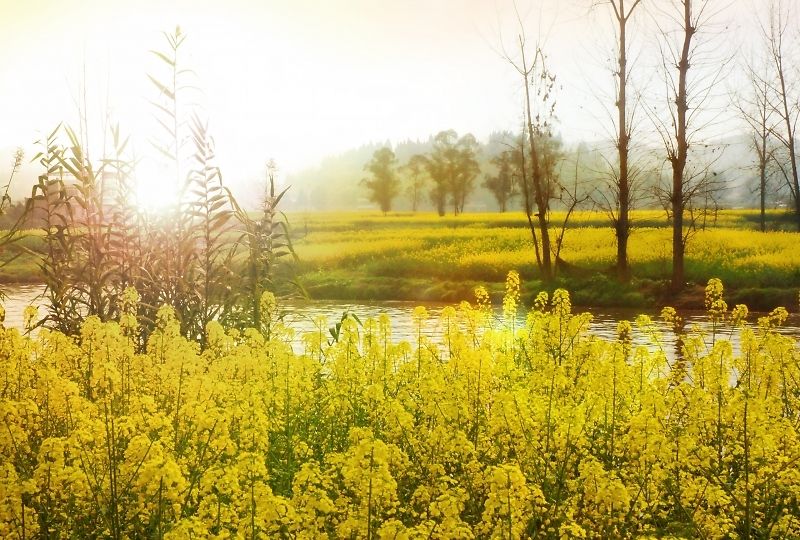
x=337 y=183
x=448 y=171
x=457 y=170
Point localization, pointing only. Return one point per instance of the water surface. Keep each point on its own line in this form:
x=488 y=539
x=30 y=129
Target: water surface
x=301 y=317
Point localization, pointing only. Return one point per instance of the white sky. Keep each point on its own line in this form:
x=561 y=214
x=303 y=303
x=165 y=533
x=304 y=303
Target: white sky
x=296 y=80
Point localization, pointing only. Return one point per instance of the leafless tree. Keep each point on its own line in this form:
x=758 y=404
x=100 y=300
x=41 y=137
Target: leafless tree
x=539 y=85
x=755 y=110
x=5 y=200
x=571 y=198
x=686 y=29
x=785 y=97
x=621 y=193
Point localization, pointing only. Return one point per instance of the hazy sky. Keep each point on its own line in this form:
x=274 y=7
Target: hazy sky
x=296 y=80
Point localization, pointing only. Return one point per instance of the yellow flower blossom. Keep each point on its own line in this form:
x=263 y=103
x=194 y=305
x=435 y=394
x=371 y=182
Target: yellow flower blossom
x=542 y=430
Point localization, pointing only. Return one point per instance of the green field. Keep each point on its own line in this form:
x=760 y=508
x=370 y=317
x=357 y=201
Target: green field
x=424 y=257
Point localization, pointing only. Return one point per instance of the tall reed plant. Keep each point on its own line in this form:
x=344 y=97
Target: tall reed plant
x=98 y=243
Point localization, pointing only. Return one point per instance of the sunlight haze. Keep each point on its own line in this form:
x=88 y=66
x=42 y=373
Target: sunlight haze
x=296 y=80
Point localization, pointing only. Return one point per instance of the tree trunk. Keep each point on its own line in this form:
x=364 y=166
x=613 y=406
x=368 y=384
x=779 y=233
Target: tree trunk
x=623 y=223
x=677 y=228
x=527 y=201
x=680 y=152
x=790 y=134
x=539 y=196
x=762 y=166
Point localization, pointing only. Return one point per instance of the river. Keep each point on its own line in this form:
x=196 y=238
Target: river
x=300 y=316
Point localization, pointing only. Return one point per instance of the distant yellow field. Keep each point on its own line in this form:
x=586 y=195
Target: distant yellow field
x=739 y=219
x=486 y=246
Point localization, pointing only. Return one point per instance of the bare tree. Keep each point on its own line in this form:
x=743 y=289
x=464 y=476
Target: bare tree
x=755 y=110
x=621 y=189
x=539 y=85
x=9 y=237
x=5 y=200
x=785 y=101
x=571 y=198
x=689 y=112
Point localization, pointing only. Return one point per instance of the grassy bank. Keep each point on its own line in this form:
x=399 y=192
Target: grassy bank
x=424 y=257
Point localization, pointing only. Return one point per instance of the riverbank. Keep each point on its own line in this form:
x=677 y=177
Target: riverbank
x=596 y=291
x=364 y=256
x=423 y=257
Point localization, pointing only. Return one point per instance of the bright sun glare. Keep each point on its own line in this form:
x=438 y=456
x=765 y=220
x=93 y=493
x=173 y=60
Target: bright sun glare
x=155 y=189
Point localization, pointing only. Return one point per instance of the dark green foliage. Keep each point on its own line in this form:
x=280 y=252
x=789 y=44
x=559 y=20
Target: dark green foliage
x=336 y=330
x=207 y=212
x=267 y=265
x=503 y=184
x=383 y=183
x=86 y=263
x=414 y=170
x=452 y=166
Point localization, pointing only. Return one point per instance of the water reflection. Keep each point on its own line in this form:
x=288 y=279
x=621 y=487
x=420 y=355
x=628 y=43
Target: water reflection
x=301 y=316
x=17 y=298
